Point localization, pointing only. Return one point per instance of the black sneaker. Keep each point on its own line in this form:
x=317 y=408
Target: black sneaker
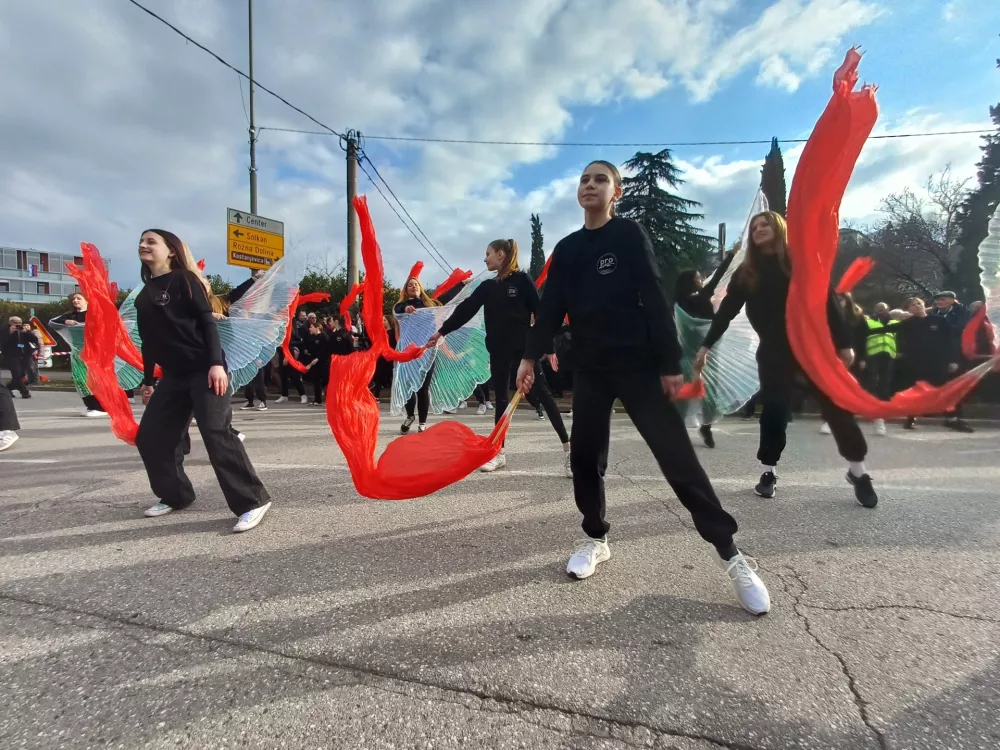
x=706 y=435
x=958 y=425
x=910 y=423
x=863 y=490
x=765 y=487
x=407 y=424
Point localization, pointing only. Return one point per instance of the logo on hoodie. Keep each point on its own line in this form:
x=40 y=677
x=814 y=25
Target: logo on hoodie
x=607 y=264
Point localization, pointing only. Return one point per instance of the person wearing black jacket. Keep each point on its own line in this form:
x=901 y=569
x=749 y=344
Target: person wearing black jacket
x=178 y=332
x=412 y=297
x=508 y=302
x=928 y=350
x=956 y=315
x=8 y=420
x=625 y=346
x=694 y=296
x=16 y=347
x=316 y=352
x=761 y=283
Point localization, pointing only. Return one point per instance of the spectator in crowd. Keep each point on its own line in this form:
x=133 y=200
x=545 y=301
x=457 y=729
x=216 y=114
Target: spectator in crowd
x=17 y=346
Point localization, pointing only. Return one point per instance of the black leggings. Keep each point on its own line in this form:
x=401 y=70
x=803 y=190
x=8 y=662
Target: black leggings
x=502 y=366
x=421 y=399
x=291 y=378
x=8 y=414
x=662 y=428
x=482 y=392
x=777 y=371
x=161 y=444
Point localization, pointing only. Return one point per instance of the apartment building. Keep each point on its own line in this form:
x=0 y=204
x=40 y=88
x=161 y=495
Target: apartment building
x=33 y=276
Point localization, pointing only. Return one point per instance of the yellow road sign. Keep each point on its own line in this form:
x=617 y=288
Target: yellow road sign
x=253 y=241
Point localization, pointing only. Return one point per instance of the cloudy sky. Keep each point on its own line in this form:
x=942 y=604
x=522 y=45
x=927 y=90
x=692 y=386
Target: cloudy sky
x=112 y=123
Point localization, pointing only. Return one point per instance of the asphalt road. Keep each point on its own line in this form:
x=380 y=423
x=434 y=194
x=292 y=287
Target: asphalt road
x=449 y=621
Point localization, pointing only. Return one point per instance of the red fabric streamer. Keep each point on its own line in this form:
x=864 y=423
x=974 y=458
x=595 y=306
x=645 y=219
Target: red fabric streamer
x=201 y=264
x=457 y=277
x=693 y=390
x=413 y=465
x=544 y=273
x=101 y=341
x=858 y=269
x=979 y=322
x=345 y=304
x=416 y=270
x=821 y=178
x=300 y=299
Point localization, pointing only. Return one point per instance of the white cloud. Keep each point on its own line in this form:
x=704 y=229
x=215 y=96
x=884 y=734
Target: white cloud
x=113 y=123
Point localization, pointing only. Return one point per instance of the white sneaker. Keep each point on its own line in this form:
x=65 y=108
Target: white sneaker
x=304 y=400
x=251 y=518
x=95 y=413
x=421 y=428
x=464 y=405
x=241 y=437
x=750 y=590
x=824 y=429
x=160 y=509
x=497 y=462
x=879 y=427
x=489 y=405
x=261 y=406
x=589 y=553
x=280 y=400
x=7 y=438
x=568 y=465
x=481 y=410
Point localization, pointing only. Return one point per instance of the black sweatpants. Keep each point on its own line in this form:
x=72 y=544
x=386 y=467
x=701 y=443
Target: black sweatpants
x=257 y=388
x=503 y=365
x=161 y=436
x=778 y=371
x=291 y=378
x=482 y=392
x=319 y=377
x=879 y=375
x=8 y=414
x=421 y=399
x=17 y=376
x=660 y=425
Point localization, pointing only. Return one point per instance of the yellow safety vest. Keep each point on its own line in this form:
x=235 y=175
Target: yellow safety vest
x=880 y=340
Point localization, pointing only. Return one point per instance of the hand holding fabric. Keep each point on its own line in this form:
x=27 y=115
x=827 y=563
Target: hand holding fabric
x=525 y=376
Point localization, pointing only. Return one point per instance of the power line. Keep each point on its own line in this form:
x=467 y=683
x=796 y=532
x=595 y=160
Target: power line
x=361 y=166
x=327 y=130
x=675 y=144
x=364 y=157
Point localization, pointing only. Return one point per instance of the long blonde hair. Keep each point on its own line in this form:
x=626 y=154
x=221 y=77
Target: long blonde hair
x=748 y=274
x=183 y=259
x=509 y=250
x=423 y=296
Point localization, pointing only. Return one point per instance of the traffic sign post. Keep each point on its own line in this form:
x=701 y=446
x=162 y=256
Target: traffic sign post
x=253 y=241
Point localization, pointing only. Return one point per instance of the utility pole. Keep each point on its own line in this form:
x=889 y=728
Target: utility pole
x=350 y=143
x=253 y=129
x=722 y=241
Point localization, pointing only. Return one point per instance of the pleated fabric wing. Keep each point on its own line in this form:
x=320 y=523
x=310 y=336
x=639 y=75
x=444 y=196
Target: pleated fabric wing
x=730 y=375
x=460 y=361
x=128 y=376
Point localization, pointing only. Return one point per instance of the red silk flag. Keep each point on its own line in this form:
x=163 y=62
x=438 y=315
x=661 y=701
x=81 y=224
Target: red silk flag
x=102 y=339
x=858 y=269
x=412 y=465
x=821 y=178
x=456 y=278
x=300 y=299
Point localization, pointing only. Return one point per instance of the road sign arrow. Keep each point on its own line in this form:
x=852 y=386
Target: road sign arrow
x=237 y=233
x=239 y=217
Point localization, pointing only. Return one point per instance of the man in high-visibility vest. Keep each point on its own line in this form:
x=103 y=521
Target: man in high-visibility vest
x=881 y=356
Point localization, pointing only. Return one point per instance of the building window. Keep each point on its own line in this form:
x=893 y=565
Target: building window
x=4 y=287
x=78 y=260
x=22 y=260
x=9 y=258
x=43 y=287
x=43 y=261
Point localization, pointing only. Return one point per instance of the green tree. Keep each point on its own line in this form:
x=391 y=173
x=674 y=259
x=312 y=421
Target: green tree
x=219 y=285
x=334 y=282
x=772 y=178
x=669 y=219
x=537 y=249
x=975 y=212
